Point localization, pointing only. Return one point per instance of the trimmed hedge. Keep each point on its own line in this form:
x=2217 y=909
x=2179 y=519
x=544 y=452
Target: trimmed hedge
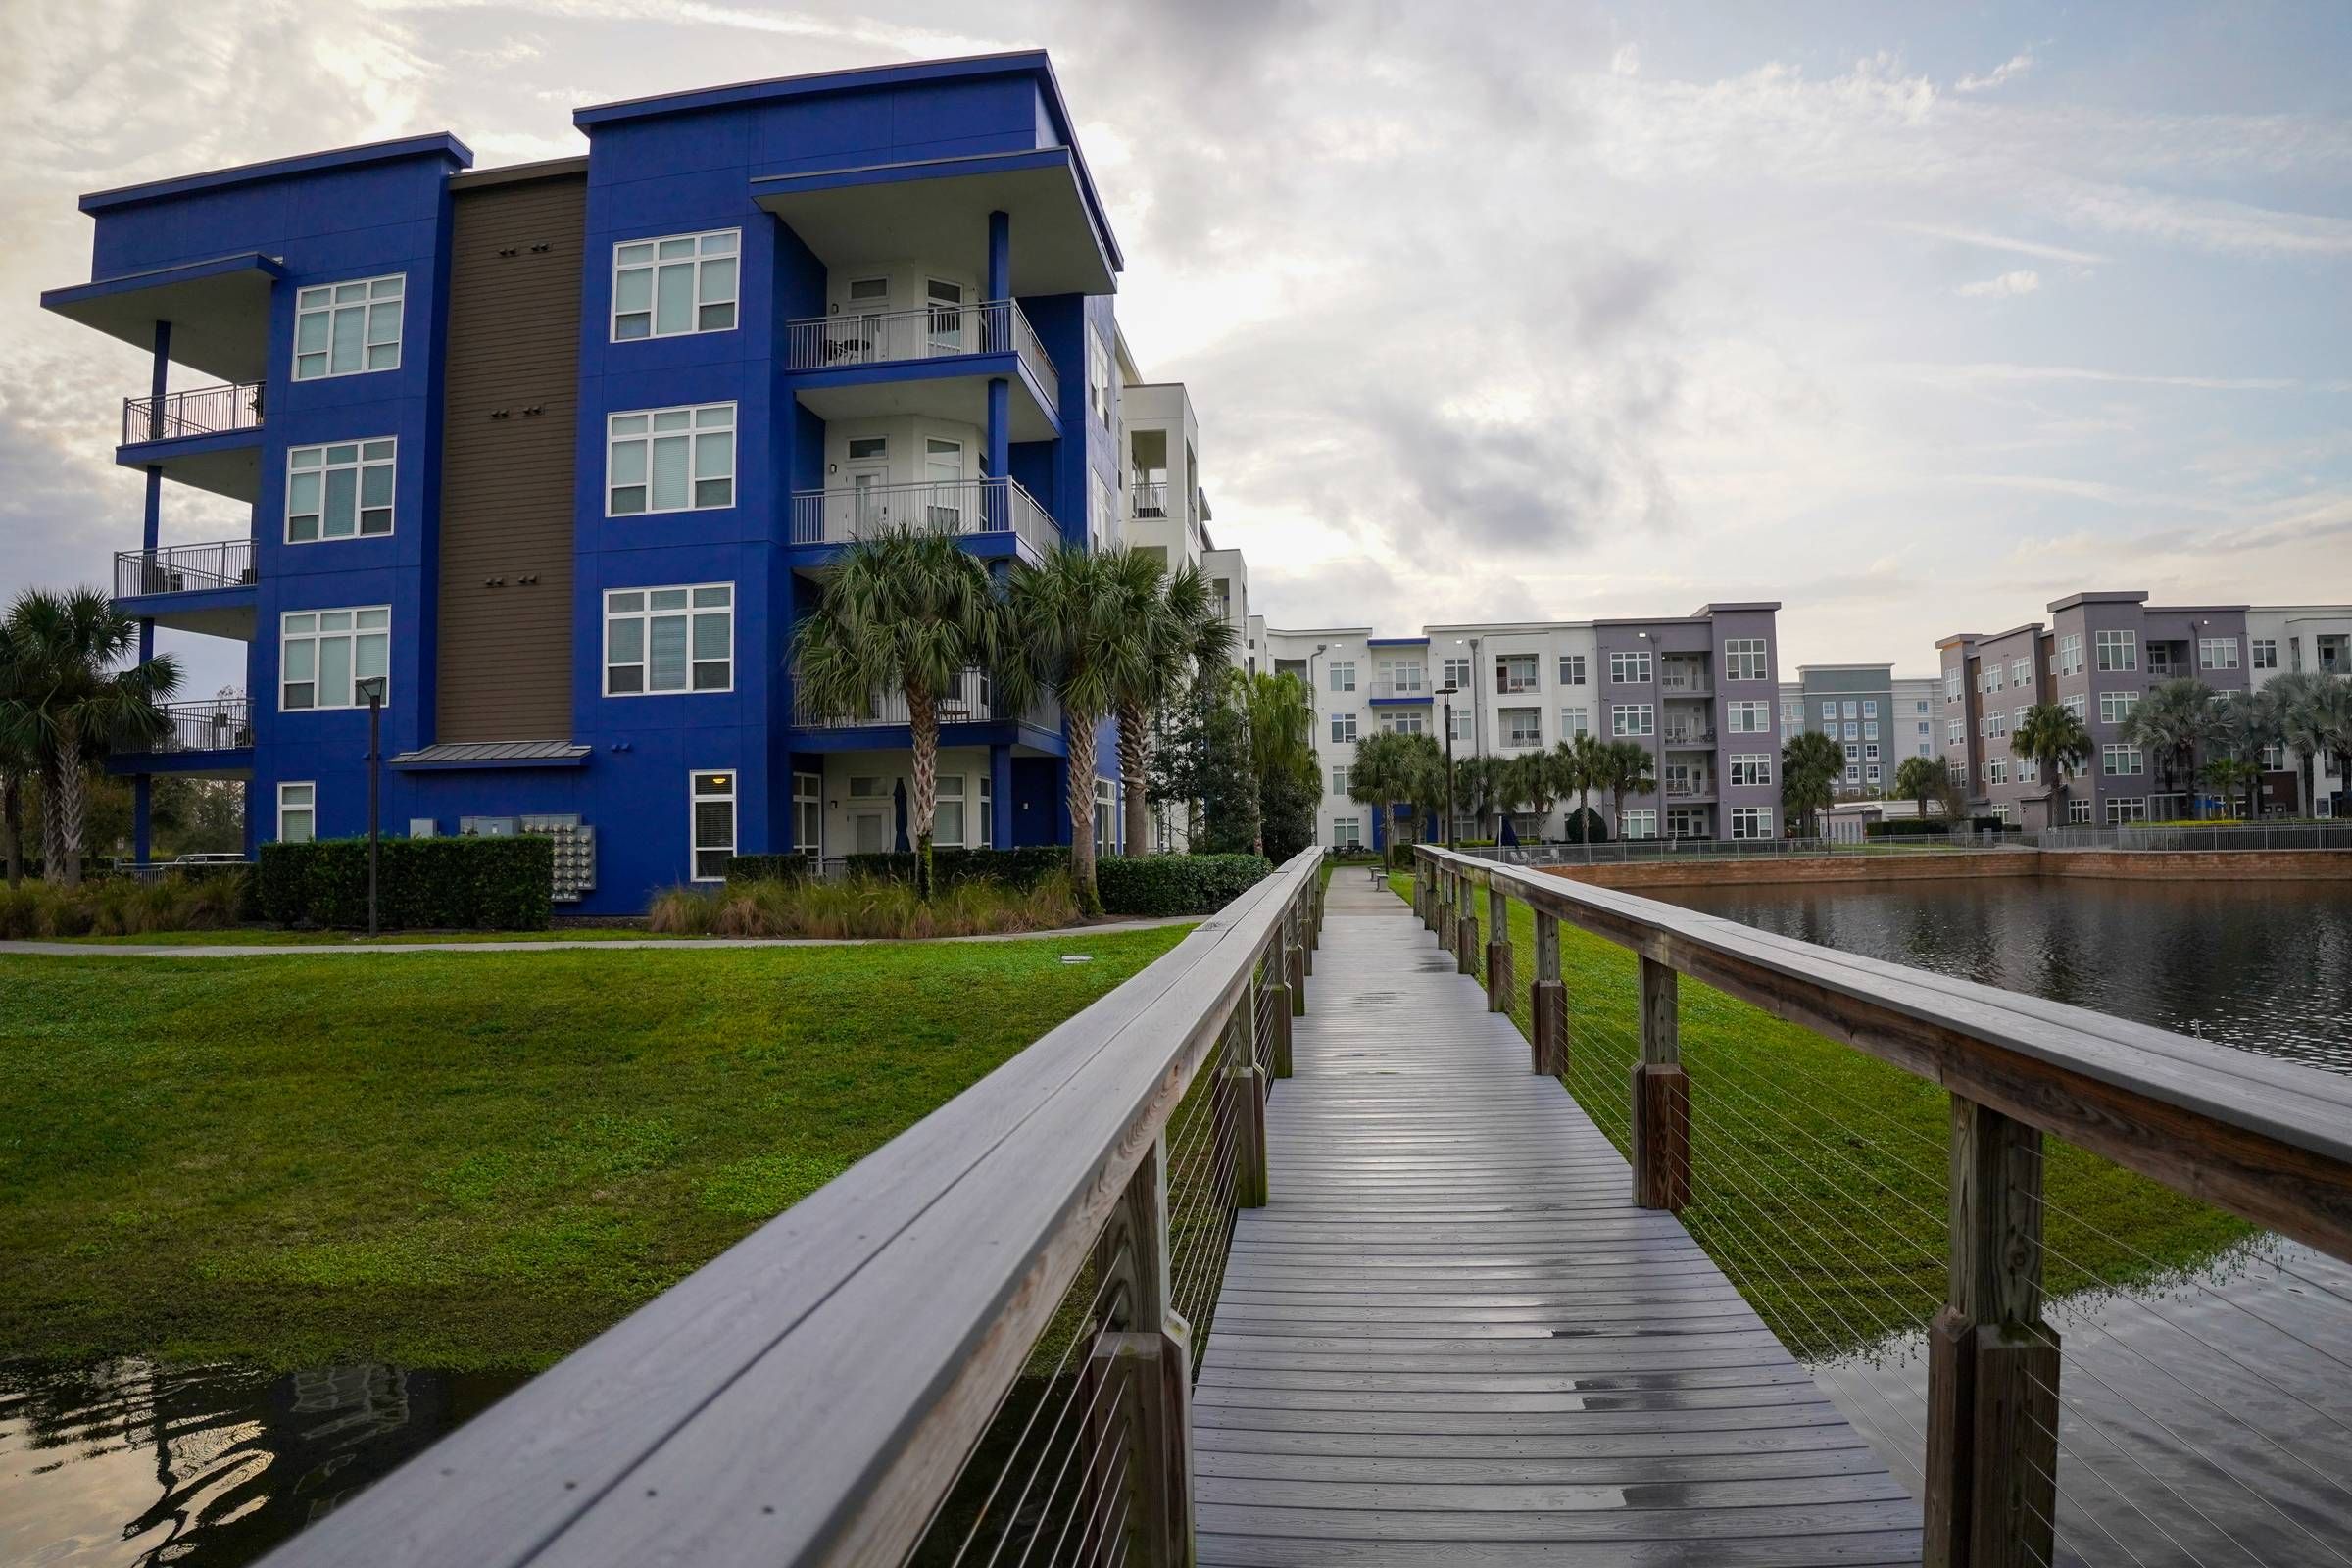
x=1021 y=867
x=1177 y=884
x=474 y=884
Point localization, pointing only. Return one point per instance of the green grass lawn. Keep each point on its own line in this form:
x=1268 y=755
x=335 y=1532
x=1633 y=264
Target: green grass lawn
x=463 y=1159
x=1818 y=1172
x=271 y=936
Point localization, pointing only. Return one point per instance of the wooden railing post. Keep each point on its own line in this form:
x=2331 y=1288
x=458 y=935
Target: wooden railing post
x=1498 y=949
x=1993 y=1363
x=1549 y=1046
x=1277 y=972
x=1465 y=937
x=1149 y=1350
x=1661 y=1094
x=1245 y=1091
x=1295 y=967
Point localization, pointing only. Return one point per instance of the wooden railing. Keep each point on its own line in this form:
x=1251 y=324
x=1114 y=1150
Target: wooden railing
x=815 y=1395
x=2269 y=1142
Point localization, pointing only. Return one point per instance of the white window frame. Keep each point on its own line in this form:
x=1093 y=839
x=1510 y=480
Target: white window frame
x=1575 y=721
x=1744 y=659
x=371 y=454
x=1508 y=719
x=1750 y=718
x=1341 y=774
x=1512 y=683
x=315 y=635
x=963 y=799
x=695 y=849
x=1098 y=374
x=1403 y=721
x=1347 y=832
x=1343 y=727
x=703 y=425
x=1572 y=669
x=326 y=302
x=706 y=254
x=645 y=615
x=1631 y=720
x=1646 y=819
x=2116 y=650
x=2127 y=808
x=2216 y=653
x=1751 y=821
x=2121 y=759
x=808 y=815
x=2077 y=703
x=1460 y=673
x=2265 y=652
x=1631 y=667
x=1343 y=675
x=1751 y=770
x=307 y=807
x=2116 y=706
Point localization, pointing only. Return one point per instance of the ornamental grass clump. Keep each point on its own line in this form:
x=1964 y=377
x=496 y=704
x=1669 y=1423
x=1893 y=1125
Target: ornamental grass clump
x=117 y=907
x=862 y=908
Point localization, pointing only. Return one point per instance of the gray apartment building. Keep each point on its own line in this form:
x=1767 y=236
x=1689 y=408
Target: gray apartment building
x=1876 y=716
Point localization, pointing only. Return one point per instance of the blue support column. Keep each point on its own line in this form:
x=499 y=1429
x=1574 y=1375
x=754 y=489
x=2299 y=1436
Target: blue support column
x=1000 y=795
x=998 y=455
x=1000 y=255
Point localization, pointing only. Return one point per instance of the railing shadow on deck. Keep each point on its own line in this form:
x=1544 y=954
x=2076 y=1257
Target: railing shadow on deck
x=977 y=1344
x=2159 y=1431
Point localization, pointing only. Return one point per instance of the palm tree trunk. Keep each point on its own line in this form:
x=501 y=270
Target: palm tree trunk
x=72 y=802
x=1135 y=757
x=1081 y=791
x=2305 y=790
x=922 y=728
x=12 y=825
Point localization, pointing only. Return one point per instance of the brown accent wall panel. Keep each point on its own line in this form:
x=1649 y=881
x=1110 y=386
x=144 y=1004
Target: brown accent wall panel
x=510 y=394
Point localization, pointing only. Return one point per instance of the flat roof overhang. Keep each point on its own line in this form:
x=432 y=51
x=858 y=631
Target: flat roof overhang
x=938 y=209
x=219 y=310
x=953 y=387
x=1027 y=739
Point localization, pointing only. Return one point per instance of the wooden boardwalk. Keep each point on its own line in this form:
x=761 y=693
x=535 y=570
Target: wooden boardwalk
x=1451 y=1338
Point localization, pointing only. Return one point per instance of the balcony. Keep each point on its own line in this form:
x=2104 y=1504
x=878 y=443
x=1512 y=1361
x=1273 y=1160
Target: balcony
x=1388 y=689
x=1690 y=789
x=207 y=436
x=206 y=588
x=1681 y=683
x=970 y=702
x=1690 y=737
x=212 y=736
x=984 y=509
x=197 y=410
x=923 y=339
x=1148 y=500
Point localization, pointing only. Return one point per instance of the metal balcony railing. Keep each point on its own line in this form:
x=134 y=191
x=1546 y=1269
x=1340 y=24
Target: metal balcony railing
x=940 y=331
x=1690 y=737
x=198 y=411
x=1683 y=685
x=1690 y=789
x=184 y=568
x=216 y=724
x=956 y=505
x=1390 y=686
x=971 y=700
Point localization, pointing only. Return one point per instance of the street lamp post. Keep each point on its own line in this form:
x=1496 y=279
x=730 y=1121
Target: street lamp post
x=371 y=688
x=1446 y=690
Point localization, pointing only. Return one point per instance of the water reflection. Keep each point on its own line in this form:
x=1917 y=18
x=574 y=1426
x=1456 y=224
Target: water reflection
x=2264 y=966
x=130 y=1463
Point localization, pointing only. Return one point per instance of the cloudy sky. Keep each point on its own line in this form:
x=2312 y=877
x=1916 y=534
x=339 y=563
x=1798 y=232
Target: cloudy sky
x=1910 y=318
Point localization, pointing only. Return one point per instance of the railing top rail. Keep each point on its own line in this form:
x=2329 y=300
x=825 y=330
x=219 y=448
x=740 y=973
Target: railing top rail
x=808 y=1396
x=2267 y=1139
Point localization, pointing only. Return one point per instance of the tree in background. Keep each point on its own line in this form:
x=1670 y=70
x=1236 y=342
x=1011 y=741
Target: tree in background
x=1282 y=752
x=196 y=815
x=67 y=696
x=1575 y=765
x=1477 y=790
x=1201 y=757
x=2301 y=699
x=1810 y=762
x=17 y=768
x=2335 y=703
x=1533 y=781
x=1922 y=779
x=905 y=611
x=2051 y=736
x=1181 y=634
x=1066 y=631
x=1393 y=770
x=2227 y=775
x=1626 y=768
x=2172 y=725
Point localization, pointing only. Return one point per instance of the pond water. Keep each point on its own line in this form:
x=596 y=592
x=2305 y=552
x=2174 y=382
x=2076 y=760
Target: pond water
x=128 y=1463
x=2207 y=1419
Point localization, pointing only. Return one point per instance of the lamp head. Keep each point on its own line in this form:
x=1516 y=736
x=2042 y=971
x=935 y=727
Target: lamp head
x=370 y=689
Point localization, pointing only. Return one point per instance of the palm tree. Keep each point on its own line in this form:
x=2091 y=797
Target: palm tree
x=2053 y=736
x=2171 y=725
x=2334 y=704
x=1282 y=746
x=1626 y=769
x=1809 y=766
x=905 y=612
x=1922 y=779
x=67 y=697
x=1067 y=630
x=1535 y=783
x=2229 y=774
x=1477 y=788
x=1391 y=768
x=1183 y=633
x=1578 y=764
x=2301 y=699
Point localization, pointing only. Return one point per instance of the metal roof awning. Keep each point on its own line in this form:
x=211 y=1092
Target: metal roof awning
x=495 y=754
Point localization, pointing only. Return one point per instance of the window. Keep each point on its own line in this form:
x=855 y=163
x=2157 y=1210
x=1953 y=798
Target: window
x=1853 y=752
x=1403 y=721
x=2273 y=759
x=2216 y=653
x=340 y=491
x=2120 y=762
x=710 y=817
x=1106 y=820
x=1829 y=712
x=1402 y=678
x=1347 y=832
x=2117 y=650
x=1751 y=719
x=1852 y=730
x=1462 y=722
x=1102 y=509
x=2116 y=706
x=988 y=813
x=1751 y=770
x=1629 y=670
x=297 y=812
x=1338 y=779
x=1870 y=751
x=1873 y=772
x=2028 y=770
x=347 y=329
x=2076 y=705
x=1870 y=730
x=1744 y=659
x=2019 y=670
x=2070 y=654
x=1574 y=722
x=674 y=638
x=320 y=653
x=1870 y=708
x=1632 y=718
x=2133 y=810
x=1953 y=731
x=1850 y=708
x=2078 y=810
x=1572 y=669
x=1522 y=726
x=1751 y=821
x=1992 y=681
x=1515 y=672
x=1457 y=674
x=1996 y=770
x=1343 y=726
x=1098 y=376
x=1920 y=706
x=1999 y=720
x=670 y=459
x=674 y=285
x=809 y=814
x=2266 y=653
x=1951 y=684
x=1343 y=675
x=946 y=812
x=1638 y=826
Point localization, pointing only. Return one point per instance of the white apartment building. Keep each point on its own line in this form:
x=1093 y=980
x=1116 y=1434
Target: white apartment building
x=2285 y=638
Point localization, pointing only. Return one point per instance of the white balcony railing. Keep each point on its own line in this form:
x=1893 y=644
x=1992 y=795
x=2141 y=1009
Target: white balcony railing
x=1148 y=499
x=951 y=505
x=971 y=701
x=940 y=331
x=1388 y=686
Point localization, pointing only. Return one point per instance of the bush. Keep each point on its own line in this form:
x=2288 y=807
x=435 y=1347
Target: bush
x=1177 y=884
x=474 y=884
x=1908 y=827
x=863 y=907
x=1585 y=827
x=121 y=908
x=766 y=867
x=1021 y=867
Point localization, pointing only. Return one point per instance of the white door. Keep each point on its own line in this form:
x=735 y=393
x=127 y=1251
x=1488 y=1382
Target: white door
x=946 y=304
x=869 y=831
x=863 y=475
x=943 y=473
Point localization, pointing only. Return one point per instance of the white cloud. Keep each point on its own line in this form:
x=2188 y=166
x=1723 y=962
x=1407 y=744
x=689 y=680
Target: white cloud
x=2001 y=242
x=2024 y=280
x=2016 y=64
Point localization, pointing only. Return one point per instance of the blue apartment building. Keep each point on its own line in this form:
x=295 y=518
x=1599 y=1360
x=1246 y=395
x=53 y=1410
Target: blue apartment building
x=560 y=452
